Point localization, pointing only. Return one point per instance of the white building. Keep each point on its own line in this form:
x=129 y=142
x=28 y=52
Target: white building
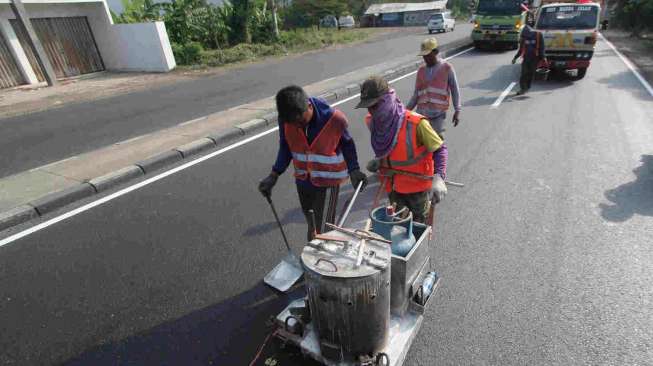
x=401 y=14
x=78 y=37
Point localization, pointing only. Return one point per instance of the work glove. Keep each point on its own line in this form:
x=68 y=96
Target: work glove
x=456 y=118
x=438 y=188
x=373 y=165
x=356 y=177
x=514 y=60
x=265 y=186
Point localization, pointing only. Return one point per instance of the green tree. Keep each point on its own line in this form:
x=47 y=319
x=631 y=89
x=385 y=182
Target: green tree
x=241 y=20
x=182 y=19
x=635 y=15
x=139 y=11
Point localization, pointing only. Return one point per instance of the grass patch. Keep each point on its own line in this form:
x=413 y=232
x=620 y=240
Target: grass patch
x=294 y=41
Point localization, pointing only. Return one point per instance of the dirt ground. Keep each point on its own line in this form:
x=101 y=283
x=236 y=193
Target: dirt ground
x=35 y=98
x=638 y=50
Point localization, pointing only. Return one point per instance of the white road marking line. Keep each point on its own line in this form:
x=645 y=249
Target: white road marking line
x=503 y=96
x=165 y=174
x=630 y=65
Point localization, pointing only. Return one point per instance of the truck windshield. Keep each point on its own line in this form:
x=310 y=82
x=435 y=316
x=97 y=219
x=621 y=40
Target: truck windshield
x=568 y=17
x=499 y=7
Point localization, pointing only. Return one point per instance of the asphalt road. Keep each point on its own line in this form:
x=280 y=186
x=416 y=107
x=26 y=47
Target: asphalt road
x=545 y=255
x=37 y=139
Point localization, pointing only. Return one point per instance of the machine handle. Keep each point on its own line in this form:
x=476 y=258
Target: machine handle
x=328 y=261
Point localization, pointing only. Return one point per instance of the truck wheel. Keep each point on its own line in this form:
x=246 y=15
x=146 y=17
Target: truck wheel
x=430 y=31
x=581 y=73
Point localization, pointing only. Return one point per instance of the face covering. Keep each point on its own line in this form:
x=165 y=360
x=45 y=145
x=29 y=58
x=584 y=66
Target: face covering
x=386 y=122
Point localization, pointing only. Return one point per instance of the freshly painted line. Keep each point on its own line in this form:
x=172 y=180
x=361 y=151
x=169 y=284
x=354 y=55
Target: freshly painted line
x=130 y=189
x=165 y=174
x=630 y=65
x=503 y=96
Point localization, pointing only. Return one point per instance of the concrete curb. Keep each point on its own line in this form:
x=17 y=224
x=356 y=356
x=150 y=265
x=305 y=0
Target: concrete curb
x=17 y=216
x=159 y=161
x=195 y=147
x=116 y=178
x=57 y=200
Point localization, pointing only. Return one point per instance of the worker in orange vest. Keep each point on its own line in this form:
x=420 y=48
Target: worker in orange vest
x=436 y=88
x=403 y=143
x=314 y=136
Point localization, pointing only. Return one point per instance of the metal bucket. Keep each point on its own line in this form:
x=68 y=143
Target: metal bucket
x=542 y=73
x=349 y=304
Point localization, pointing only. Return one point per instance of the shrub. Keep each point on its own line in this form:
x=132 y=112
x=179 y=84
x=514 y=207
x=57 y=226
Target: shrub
x=240 y=53
x=187 y=54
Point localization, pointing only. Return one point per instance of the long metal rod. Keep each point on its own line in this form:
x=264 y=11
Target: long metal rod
x=357 y=234
x=276 y=217
x=351 y=203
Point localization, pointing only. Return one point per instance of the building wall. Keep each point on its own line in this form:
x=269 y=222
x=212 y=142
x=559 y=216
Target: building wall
x=417 y=18
x=132 y=47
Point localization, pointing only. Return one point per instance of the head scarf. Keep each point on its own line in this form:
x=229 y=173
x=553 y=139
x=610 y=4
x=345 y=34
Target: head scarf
x=386 y=122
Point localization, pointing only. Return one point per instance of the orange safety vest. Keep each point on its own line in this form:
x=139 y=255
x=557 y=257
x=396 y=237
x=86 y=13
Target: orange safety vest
x=321 y=162
x=407 y=156
x=433 y=94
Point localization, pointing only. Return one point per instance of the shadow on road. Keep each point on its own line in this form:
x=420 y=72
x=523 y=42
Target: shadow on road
x=626 y=80
x=498 y=79
x=229 y=333
x=633 y=197
x=295 y=216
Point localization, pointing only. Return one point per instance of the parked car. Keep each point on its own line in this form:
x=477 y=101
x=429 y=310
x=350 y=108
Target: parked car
x=441 y=22
x=346 y=21
x=329 y=21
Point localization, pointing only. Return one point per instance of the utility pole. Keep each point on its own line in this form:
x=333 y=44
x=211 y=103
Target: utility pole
x=273 y=8
x=34 y=42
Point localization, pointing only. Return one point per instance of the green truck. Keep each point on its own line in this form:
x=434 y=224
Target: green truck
x=498 y=23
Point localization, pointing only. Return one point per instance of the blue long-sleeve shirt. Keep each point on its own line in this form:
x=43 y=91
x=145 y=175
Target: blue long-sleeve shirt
x=322 y=112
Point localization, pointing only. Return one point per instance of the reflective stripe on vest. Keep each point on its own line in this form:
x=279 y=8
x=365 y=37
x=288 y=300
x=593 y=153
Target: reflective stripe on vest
x=322 y=159
x=320 y=174
x=407 y=156
x=321 y=162
x=433 y=93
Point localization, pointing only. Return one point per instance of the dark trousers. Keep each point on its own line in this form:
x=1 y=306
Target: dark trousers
x=528 y=67
x=316 y=199
x=418 y=203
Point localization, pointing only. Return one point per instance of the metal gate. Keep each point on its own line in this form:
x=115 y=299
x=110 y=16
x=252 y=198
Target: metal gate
x=9 y=73
x=68 y=43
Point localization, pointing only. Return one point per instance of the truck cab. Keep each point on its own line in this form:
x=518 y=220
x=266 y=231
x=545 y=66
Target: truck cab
x=570 y=32
x=498 y=23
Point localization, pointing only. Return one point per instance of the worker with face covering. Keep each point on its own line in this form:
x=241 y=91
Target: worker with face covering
x=403 y=143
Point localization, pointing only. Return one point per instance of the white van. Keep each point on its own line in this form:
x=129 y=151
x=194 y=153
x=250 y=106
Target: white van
x=441 y=22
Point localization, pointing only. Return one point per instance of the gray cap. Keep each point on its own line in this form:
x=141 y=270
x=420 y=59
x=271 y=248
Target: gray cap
x=373 y=89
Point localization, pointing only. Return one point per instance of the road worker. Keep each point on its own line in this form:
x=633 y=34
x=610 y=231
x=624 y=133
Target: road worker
x=436 y=87
x=314 y=136
x=403 y=143
x=531 y=50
